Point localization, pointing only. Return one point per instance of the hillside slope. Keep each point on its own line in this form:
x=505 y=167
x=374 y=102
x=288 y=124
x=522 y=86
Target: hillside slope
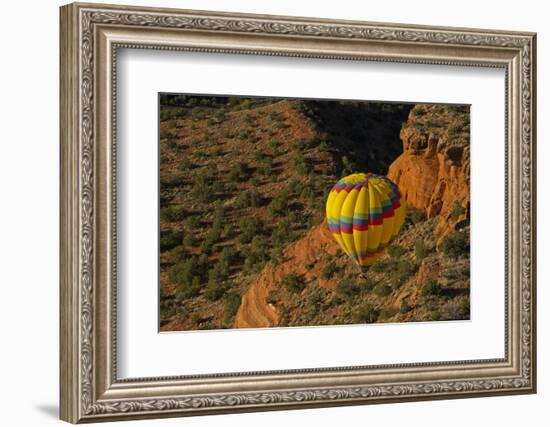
x=243 y=178
x=425 y=273
x=301 y=258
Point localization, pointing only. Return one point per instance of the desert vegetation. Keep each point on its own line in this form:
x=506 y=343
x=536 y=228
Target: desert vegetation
x=242 y=180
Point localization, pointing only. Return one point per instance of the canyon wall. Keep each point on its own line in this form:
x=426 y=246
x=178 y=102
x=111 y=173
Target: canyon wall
x=433 y=173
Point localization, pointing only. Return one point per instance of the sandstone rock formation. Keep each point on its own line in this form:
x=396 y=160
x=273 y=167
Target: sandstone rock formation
x=433 y=173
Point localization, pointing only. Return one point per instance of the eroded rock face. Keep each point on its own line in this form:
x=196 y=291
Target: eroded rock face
x=433 y=173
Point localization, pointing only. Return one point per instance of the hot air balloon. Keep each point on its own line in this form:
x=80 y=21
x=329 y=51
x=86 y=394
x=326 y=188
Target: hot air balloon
x=364 y=213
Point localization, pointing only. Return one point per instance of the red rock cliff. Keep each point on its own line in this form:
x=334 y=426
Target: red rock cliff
x=433 y=173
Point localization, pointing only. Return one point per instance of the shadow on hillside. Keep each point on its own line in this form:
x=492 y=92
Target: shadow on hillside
x=365 y=135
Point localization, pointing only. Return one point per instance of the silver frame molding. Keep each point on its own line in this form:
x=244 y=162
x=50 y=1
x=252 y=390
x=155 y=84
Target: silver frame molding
x=90 y=37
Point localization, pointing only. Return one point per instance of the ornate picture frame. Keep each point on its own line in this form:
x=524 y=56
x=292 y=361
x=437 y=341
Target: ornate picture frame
x=90 y=37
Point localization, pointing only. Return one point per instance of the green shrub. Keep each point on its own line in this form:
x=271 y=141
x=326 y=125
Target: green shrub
x=188 y=289
x=244 y=104
x=396 y=251
x=185 y=165
x=282 y=125
x=214 y=290
x=382 y=290
x=218 y=187
x=278 y=205
x=227 y=231
x=239 y=172
x=462 y=109
x=347 y=289
x=464 y=308
x=282 y=233
x=210 y=240
x=201 y=190
x=418 y=111
x=191 y=102
x=276 y=255
x=303 y=144
x=187 y=276
x=382 y=266
x=192 y=222
x=168 y=307
x=253 y=261
x=454 y=128
x=302 y=164
x=228 y=134
x=228 y=256
x=456 y=244
x=171 y=114
x=272 y=297
x=249 y=118
x=265 y=163
x=348 y=166
x=256 y=255
x=278 y=117
x=274 y=144
x=219 y=215
x=458 y=210
x=308 y=193
x=387 y=313
x=172 y=213
x=249 y=199
x=294 y=187
x=179 y=253
x=403 y=270
x=414 y=216
x=421 y=250
x=169 y=239
x=259 y=245
x=219 y=115
x=431 y=288
x=215 y=287
x=455 y=311
x=250 y=227
x=197 y=113
x=232 y=301
x=185 y=270
x=244 y=133
x=174 y=180
x=323 y=146
x=404 y=307
x=188 y=240
x=435 y=315
x=367 y=314
x=330 y=270
x=367 y=284
x=294 y=283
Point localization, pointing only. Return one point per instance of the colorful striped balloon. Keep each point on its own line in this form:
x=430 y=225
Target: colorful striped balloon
x=364 y=213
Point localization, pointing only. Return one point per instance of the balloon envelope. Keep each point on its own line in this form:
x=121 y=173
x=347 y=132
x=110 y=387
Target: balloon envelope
x=364 y=213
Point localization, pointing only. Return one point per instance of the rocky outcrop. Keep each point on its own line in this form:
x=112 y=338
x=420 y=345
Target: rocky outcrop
x=433 y=173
